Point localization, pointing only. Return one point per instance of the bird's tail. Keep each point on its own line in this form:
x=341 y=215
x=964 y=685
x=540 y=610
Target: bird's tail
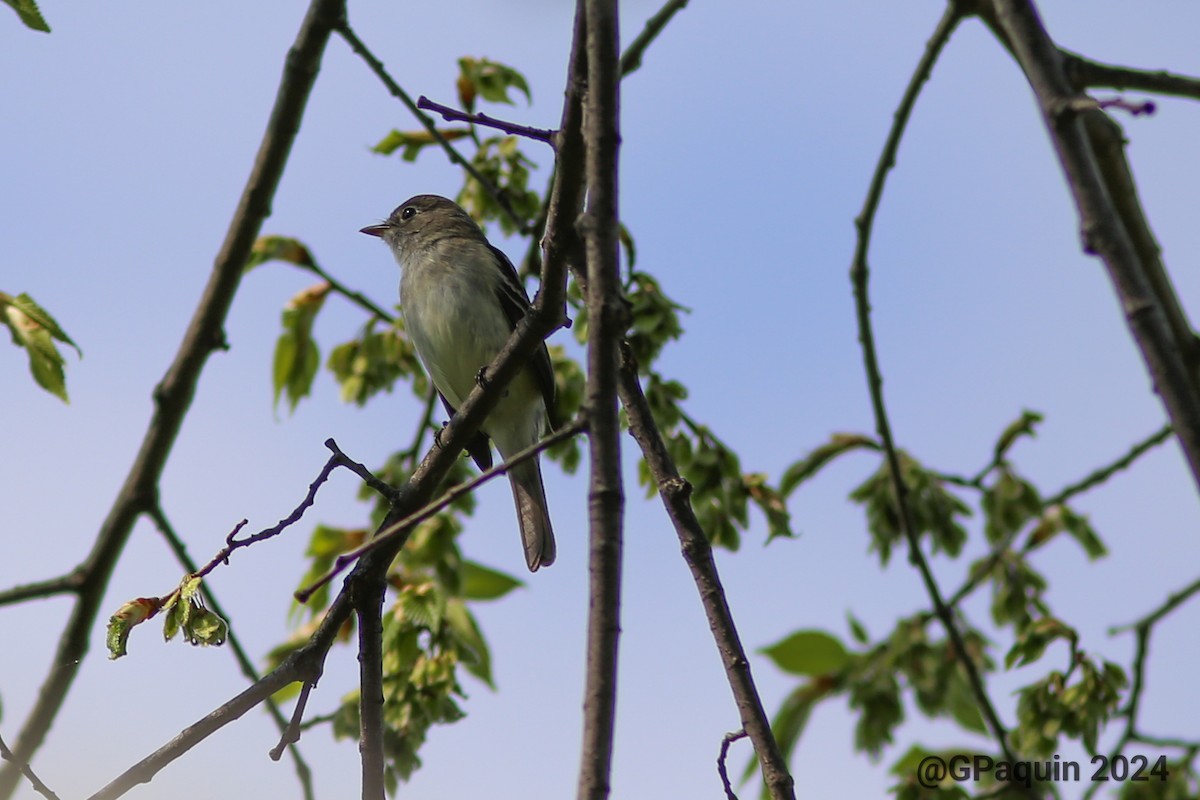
x=532 y=514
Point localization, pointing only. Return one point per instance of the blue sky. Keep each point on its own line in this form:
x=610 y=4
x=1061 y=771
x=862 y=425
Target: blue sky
x=749 y=137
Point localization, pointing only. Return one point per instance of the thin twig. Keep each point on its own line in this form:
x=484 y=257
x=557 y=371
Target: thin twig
x=859 y=276
x=70 y=583
x=353 y=296
x=245 y=663
x=1104 y=473
x=977 y=576
x=454 y=115
x=1084 y=73
x=173 y=396
x=38 y=785
x=290 y=733
x=398 y=528
x=1142 y=629
x=376 y=66
x=728 y=739
x=631 y=59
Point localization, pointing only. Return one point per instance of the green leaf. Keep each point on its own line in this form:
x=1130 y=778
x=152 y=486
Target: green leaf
x=857 y=629
x=770 y=502
x=1024 y=426
x=489 y=79
x=413 y=142
x=28 y=11
x=807 y=467
x=627 y=243
x=484 y=583
x=961 y=703
x=473 y=651
x=1008 y=504
x=810 y=652
x=374 y=362
x=45 y=362
x=125 y=619
x=933 y=508
x=296 y=353
x=42 y=317
x=278 y=248
x=1035 y=638
x=205 y=628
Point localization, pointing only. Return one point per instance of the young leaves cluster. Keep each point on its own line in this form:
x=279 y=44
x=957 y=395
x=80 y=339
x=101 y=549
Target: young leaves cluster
x=881 y=677
x=186 y=614
x=33 y=328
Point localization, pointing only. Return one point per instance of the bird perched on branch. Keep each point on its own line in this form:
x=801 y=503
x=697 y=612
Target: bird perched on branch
x=461 y=299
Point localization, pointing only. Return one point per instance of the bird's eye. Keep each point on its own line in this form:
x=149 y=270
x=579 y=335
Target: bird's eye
x=408 y=213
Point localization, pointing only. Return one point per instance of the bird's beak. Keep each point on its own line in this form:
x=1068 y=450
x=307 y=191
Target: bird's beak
x=374 y=230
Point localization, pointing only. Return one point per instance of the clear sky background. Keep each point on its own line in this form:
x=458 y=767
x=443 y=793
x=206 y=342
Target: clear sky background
x=749 y=138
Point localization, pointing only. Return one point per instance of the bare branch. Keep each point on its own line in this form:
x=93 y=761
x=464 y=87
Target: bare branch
x=1115 y=232
x=290 y=733
x=607 y=321
x=631 y=59
x=1102 y=474
x=697 y=552
x=1084 y=73
x=70 y=583
x=859 y=274
x=454 y=115
x=26 y=770
x=173 y=396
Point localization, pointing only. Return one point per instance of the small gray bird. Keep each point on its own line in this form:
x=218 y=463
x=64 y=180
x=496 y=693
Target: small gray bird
x=461 y=299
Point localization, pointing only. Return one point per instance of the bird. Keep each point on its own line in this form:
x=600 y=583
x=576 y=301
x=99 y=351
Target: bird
x=460 y=298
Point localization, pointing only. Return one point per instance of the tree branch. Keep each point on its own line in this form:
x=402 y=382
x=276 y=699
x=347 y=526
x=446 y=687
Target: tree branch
x=1090 y=153
x=38 y=785
x=454 y=115
x=631 y=59
x=607 y=321
x=859 y=274
x=173 y=396
x=697 y=552
x=1084 y=73
x=70 y=583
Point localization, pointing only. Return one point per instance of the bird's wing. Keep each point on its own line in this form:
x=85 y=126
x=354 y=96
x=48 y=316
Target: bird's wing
x=515 y=303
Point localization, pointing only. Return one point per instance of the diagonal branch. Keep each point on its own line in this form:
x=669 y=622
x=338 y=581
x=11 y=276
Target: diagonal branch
x=697 y=552
x=38 y=785
x=513 y=129
x=631 y=59
x=1090 y=153
x=859 y=274
x=173 y=396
